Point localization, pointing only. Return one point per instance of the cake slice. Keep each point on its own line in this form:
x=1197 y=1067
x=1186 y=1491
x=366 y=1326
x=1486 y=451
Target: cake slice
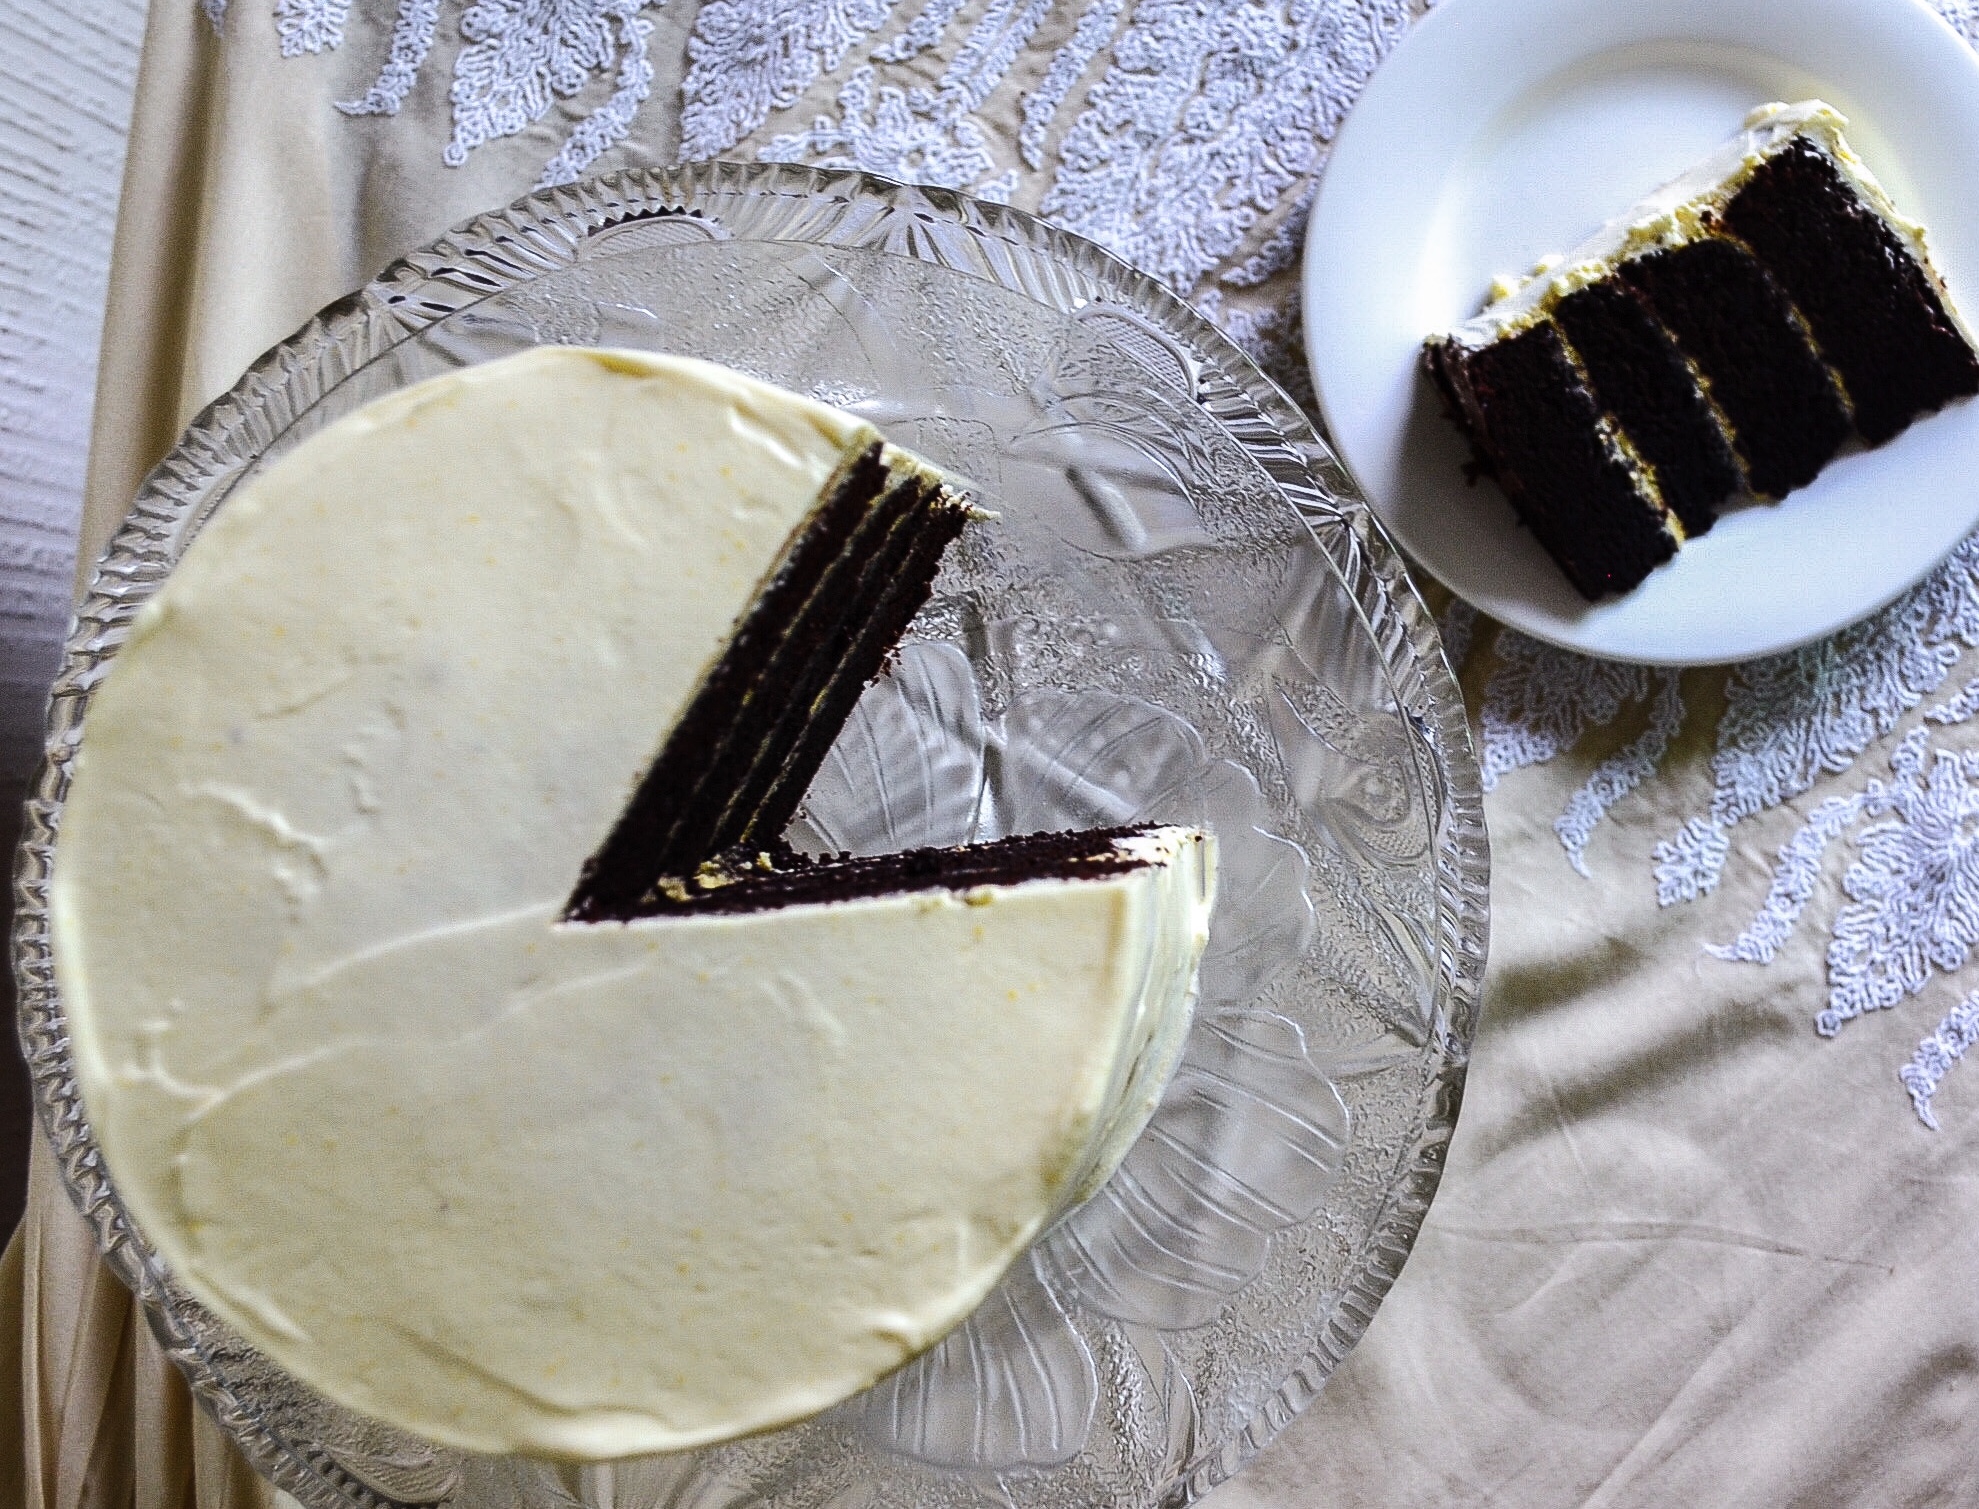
x=452 y=1018
x=1538 y=427
x=1727 y=334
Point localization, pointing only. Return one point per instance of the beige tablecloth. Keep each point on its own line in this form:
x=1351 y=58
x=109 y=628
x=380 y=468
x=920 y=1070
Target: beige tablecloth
x=1688 y=1251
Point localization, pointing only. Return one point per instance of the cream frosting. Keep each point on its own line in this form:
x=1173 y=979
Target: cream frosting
x=515 y=1184
x=1681 y=211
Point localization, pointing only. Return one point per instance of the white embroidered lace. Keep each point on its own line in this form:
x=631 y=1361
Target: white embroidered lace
x=412 y=39
x=1937 y=1053
x=1788 y=721
x=1963 y=15
x=889 y=131
x=1540 y=700
x=524 y=54
x=520 y=57
x=310 y=25
x=1457 y=626
x=1913 y=889
x=923 y=32
x=1206 y=117
x=608 y=125
x=1792 y=718
x=925 y=135
x=750 y=57
x=1068 y=66
x=1622 y=772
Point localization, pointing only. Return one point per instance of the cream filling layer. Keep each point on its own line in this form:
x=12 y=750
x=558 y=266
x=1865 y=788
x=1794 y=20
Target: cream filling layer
x=1680 y=212
x=583 y=1191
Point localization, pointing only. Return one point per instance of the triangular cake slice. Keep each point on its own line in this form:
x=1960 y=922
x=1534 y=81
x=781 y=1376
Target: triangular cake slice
x=1725 y=334
x=399 y=1039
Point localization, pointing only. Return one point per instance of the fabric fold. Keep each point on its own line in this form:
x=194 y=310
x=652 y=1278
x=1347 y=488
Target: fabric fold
x=105 y=1419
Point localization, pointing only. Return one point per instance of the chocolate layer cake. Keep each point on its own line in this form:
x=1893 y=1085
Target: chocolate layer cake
x=735 y=766
x=762 y=880
x=454 y=1021
x=1726 y=335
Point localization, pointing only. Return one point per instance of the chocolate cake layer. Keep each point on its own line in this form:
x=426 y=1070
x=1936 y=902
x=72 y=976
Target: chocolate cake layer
x=616 y=875
x=881 y=633
x=783 y=878
x=843 y=570
x=1638 y=374
x=780 y=699
x=801 y=701
x=1738 y=324
x=1872 y=309
x=1540 y=431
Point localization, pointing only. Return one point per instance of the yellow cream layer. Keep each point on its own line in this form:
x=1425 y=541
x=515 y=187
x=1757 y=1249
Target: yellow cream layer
x=516 y=1185
x=1682 y=211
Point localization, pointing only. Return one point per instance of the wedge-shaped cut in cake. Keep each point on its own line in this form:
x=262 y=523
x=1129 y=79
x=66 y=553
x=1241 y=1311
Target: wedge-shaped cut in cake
x=1725 y=335
x=450 y=1013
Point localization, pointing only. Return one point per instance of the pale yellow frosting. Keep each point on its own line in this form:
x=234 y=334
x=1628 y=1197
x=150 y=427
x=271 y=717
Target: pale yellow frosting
x=517 y=1185
x=1680 y=212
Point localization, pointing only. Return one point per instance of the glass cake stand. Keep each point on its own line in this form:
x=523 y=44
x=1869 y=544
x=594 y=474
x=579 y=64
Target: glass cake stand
x=1183 y=613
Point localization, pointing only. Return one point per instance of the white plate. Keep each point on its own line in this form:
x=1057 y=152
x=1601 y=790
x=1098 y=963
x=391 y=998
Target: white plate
x=1503 y=130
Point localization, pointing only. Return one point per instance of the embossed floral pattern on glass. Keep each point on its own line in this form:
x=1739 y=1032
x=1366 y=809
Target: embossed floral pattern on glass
x=1182 y=612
